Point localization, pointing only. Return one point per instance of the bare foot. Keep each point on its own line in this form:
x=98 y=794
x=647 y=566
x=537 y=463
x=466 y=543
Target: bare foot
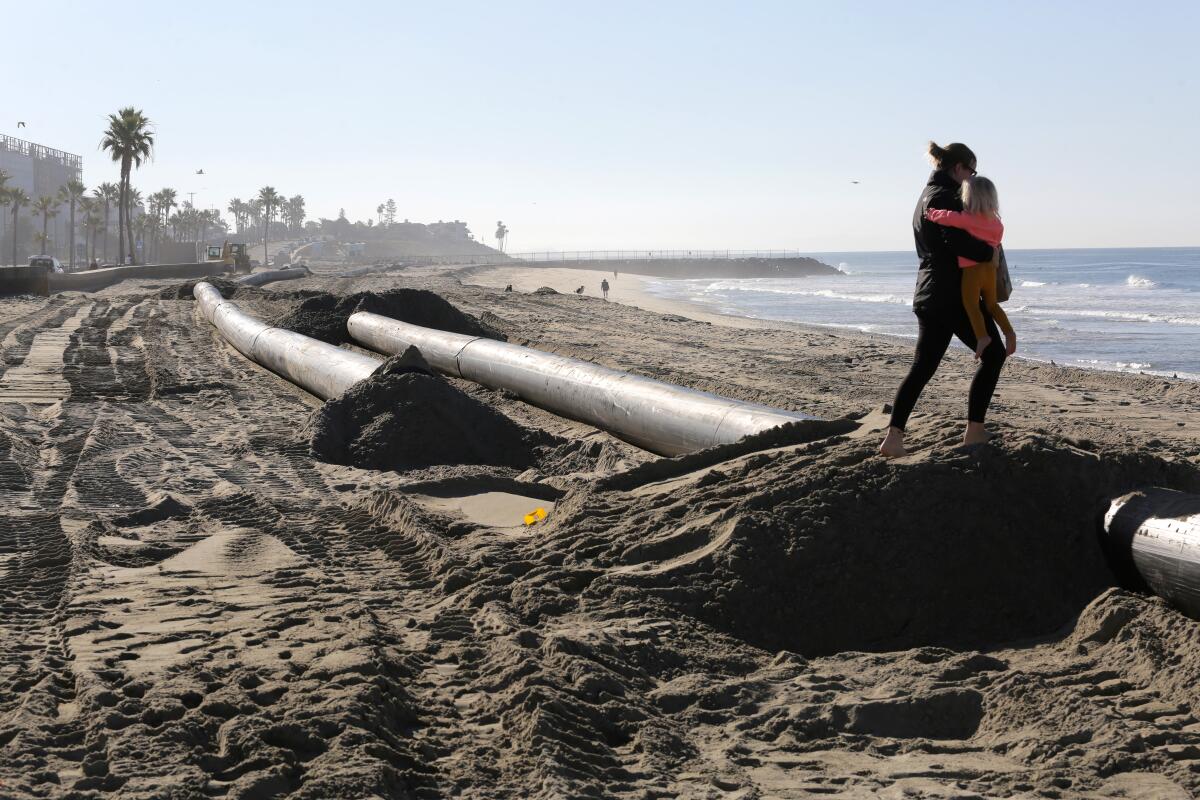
x=1010 y=344
x=893 y=444
x=975 y=434
x=981 y=345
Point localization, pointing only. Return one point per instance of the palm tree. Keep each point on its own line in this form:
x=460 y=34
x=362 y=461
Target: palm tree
x=129 y=141
x=48 y=207
x=166 y=203
x=295 y=207
x=89 y=208
x=72 y=192
x=17 y=198
x=106 y=193
x=270 y=200
x=237 y=208
x=133 y=197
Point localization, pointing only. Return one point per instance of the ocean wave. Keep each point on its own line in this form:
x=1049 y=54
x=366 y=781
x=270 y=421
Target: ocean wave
x=829 y=294
x=1124 y=316
x=1032 y=284
x=1138 y=282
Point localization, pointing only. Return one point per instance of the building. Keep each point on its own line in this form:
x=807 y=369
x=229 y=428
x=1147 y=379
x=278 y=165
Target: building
x=39 y=170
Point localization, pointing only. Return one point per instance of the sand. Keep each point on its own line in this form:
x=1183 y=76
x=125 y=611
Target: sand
x=196 y=606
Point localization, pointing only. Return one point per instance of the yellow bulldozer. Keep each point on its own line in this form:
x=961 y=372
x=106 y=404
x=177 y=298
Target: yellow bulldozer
x=233 y=255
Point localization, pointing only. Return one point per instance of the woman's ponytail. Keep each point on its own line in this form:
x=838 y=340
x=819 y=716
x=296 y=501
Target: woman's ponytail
x=950 y=155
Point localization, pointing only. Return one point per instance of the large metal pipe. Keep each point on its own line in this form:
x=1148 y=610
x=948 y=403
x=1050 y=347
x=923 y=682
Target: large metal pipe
x=273 y=275
x=321 y=368
x=1156 y=532
x=660 y=417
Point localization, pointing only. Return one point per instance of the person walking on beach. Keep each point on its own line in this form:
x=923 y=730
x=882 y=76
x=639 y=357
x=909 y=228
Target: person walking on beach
x=980 y=217
x=938 y=303
x=604 y=287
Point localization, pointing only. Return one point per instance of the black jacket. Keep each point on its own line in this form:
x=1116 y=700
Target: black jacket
x=939 y=278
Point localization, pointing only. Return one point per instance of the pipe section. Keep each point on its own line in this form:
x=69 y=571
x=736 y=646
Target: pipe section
x=273 y=275
x=1156 y=531
x=660 y=417
x=321 y=368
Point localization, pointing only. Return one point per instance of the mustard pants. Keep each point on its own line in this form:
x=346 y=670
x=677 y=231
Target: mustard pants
x=981 y=280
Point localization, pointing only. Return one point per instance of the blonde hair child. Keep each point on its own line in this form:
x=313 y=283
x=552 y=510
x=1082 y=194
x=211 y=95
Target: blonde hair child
x=980 y=217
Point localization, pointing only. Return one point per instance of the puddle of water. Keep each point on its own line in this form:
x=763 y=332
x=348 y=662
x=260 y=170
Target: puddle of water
x=493 y=509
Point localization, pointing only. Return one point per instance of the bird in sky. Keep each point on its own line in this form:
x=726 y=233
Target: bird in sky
x=854 y=181
x=199 y=172
x=20 y=124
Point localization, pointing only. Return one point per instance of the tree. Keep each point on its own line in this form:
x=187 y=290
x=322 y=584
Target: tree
x=501 y=235
x=72 y=192
x=379 y=211
x=270 y=200
x=48 y=207
x=16 y=198
x=389 y=212
x=130 y=142
x=106 y=193
x=296 y=211
x=91 y=221
x=238 y=209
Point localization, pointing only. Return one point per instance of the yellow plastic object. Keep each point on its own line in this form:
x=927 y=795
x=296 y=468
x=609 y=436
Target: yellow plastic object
x=537 y=515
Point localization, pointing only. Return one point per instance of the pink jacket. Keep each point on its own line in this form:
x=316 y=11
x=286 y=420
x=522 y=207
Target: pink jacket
x=987 y=229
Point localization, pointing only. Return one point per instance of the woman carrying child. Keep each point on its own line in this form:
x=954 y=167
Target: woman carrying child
x=938 y=300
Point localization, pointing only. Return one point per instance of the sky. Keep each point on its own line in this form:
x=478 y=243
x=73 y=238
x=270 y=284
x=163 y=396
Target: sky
x=687 y=125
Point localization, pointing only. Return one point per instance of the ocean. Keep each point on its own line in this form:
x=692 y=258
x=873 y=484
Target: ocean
x=1132 y=310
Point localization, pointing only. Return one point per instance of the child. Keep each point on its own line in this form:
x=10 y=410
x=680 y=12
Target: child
x=980 y=217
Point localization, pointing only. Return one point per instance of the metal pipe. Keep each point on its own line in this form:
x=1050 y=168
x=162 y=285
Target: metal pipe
x=1156 y=531
x=272 y=275
x=321 y=368
x=660 y=417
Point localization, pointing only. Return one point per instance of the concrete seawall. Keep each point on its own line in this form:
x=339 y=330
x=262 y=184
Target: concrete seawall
x=96 y=279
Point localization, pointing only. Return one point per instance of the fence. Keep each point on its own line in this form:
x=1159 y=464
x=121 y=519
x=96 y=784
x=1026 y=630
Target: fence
x=552 y=256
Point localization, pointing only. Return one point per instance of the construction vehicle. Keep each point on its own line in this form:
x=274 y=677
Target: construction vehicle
x=233 y=255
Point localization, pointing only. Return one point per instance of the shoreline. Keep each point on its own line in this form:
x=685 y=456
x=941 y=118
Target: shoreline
x=633 y=292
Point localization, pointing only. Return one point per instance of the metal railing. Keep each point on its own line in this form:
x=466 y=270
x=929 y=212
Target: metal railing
x=557 y=256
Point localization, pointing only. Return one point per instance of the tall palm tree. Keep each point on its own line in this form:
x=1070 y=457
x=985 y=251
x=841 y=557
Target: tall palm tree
x=166 y=202
x=48 y=207
x=133 y=197
x=107 y=194
x=235 y=208
x=16 y=198
x=72 y=192
x=89 y=208
x=270 y=200
x=130 y=142
x=296 y=209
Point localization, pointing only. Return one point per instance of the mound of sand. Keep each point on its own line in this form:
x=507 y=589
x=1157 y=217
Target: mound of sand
x=823 y=548
x=405 y=417
x=323 y=316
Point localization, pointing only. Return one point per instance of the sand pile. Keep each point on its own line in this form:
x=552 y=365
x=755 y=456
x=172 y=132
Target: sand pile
x=405 y=417
x=823 y=548
x=323 y=316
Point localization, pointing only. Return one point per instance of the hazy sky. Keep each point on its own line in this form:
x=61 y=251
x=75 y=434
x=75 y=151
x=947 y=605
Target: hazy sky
x=642 y=125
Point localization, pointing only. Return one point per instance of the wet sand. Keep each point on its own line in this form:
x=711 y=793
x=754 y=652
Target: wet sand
x=196 y=606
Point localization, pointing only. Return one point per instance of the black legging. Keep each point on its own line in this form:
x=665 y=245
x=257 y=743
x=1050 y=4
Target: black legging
x=933 y=337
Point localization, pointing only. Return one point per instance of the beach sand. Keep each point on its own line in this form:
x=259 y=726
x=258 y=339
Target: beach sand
x=196 y=606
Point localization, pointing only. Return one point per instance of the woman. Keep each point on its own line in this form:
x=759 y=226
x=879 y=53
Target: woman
x=938 y=304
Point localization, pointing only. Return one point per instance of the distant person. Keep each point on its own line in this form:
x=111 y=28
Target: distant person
x=614 y=274
x=938 y=304
x=508 y=288
x=604 y=288
x=93 y=265
x=579 y=291
x=980 y=217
